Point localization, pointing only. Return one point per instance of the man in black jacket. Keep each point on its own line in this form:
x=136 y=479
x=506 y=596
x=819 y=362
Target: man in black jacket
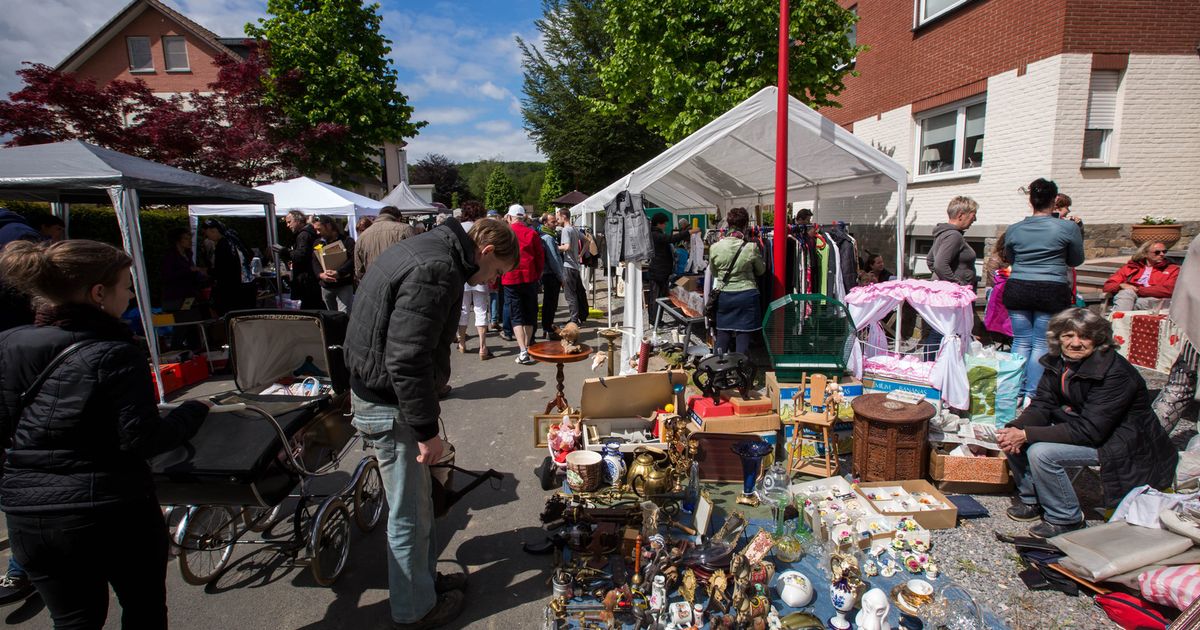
x=398 y=355
x=304 y=280
x=662 y=263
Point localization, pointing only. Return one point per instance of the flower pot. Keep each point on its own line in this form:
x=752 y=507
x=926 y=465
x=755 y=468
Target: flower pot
x=1166 y=234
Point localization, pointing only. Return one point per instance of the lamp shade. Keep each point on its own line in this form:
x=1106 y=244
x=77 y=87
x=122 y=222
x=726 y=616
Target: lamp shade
x=931 y=155
x=978 y=146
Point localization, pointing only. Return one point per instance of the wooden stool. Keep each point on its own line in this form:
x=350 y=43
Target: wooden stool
x=821 y=420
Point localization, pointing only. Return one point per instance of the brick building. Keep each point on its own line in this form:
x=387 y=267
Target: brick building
x=149 y=41
x=981 y=97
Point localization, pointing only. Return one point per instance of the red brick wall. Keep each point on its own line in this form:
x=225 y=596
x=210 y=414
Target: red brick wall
x=988 y=37
x=112 y=61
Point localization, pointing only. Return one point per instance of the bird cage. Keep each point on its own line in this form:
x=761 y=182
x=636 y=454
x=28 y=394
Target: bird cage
x=808 y=334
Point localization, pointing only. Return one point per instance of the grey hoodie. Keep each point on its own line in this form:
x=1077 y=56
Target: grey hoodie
x=951 y=258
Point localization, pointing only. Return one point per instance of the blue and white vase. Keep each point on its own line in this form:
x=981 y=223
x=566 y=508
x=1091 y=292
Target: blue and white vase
x=613 y=471
x=842 y=596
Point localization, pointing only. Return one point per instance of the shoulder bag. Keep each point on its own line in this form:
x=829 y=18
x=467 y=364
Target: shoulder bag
x=714 y=294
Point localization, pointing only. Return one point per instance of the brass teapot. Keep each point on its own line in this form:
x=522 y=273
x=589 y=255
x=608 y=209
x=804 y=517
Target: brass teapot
x=650 y=473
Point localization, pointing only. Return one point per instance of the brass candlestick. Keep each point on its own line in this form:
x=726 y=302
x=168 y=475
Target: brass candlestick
x=611 y=335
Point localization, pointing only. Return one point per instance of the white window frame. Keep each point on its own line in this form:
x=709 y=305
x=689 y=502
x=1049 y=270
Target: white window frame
x=187 y=67
x=919 y=10
x=1107 y=144
x=150 y=55
x=960 y=135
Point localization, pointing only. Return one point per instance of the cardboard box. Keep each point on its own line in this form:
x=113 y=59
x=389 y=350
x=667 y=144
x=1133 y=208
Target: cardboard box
x=623 y=403
x=693 y=284
x=737 y=424
x=970 y=475
x=946 y=518
x=782 y=395
x=884 y=385
x=704 y=407
x=755 y=404
x=331 y=255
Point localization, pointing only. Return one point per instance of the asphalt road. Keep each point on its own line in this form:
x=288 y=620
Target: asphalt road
x=488 y=418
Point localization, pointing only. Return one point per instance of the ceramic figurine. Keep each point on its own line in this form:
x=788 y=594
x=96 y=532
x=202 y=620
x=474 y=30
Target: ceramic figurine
x=563 y=438
x=658 y=594
x=570 y=338
x=887 y=570
x=870 y=568
x=931 y=570
x=875 y=608
x=795 y=589
x=681 y=615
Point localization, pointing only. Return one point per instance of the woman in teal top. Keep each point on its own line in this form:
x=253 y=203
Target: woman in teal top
x=738 y=310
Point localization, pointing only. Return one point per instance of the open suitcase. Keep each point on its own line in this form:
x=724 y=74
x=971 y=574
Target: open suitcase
x=239 y=458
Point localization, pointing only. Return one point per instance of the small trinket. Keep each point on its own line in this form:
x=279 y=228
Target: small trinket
x=870 y=568
x=931 y=570
x=912 y=563
x=920 y=545
x=898 y=542
x=658 y=593
x=888 y=570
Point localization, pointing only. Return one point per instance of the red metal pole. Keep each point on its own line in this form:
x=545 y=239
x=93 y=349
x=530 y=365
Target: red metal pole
x=781 y=151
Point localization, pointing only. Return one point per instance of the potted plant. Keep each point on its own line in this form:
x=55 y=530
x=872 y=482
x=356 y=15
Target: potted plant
x=1163 y=230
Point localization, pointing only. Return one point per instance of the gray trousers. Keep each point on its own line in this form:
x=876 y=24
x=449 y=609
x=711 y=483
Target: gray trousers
x=1128 y=300
x=338 y=298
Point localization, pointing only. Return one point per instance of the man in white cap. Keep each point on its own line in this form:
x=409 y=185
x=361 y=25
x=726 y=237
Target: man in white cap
x=521 y=284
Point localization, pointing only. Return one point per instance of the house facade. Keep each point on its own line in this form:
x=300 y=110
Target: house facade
x=149 y=41
x=981 y=97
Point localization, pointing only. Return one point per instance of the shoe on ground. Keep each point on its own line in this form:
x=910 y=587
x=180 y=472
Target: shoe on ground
x=1046 y=529
x=14 y=589
x=507 y=337
x=1025 y=512
x=447 y=582
x=447 y=608
x=525 y=359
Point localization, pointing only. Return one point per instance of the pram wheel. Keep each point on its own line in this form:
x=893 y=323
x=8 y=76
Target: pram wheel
x=368 y=495
x=329 y=541
x=206 y=539
x=257 y=522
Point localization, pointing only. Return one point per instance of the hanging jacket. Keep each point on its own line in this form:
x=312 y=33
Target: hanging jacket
x=627 y=229
x=847 y=257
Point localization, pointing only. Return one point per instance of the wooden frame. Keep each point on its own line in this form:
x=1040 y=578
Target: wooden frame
x=541 y=426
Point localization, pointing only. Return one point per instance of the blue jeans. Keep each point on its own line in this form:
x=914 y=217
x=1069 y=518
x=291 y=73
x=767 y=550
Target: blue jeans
x=14 y=569
x=496 y=301
x=1029 y=341
x=412 y=561
x=1041 y=476
x=931 y=344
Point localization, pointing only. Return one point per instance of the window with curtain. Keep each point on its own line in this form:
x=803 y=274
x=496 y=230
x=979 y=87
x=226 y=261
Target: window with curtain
x=951 y=139
x=930 y=9
x=139 y=54
x=1101 y=116
x=175 y=52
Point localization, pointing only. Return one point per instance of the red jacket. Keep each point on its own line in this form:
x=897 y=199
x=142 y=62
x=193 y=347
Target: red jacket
x=1162 y=280
x=533 y=257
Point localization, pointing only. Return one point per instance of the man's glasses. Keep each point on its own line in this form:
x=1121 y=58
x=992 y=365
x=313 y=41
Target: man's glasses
x=1158 y=251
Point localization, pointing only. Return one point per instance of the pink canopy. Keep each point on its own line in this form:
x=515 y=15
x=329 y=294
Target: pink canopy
x=946 y=306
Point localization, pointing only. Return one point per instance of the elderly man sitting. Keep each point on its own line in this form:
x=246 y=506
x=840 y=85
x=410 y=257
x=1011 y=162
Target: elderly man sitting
x=1091 y=407
x=1144 y=281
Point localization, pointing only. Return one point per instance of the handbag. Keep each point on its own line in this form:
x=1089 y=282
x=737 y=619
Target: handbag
x=714 y=295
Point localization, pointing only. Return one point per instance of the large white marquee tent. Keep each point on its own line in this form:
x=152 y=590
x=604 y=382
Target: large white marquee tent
x=304 y=194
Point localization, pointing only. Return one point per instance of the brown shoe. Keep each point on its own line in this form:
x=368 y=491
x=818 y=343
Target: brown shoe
x=447 y=608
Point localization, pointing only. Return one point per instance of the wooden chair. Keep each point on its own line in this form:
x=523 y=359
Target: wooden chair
x=813 y=414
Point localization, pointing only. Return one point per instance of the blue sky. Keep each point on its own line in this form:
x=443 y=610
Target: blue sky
x=458 y=61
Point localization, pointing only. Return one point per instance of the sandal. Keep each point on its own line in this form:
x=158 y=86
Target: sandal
x=484 y=356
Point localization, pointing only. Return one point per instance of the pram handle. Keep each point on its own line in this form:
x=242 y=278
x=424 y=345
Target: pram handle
x=213 y=409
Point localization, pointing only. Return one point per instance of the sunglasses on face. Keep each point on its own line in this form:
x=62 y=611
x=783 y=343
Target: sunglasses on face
x=1158 y=251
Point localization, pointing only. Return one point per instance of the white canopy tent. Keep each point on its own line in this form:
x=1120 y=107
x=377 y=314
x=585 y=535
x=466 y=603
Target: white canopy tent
x=304 y=194
x=731 y=162
x=407 y=201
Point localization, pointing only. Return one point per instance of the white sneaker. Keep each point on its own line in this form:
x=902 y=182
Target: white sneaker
x=525 y=359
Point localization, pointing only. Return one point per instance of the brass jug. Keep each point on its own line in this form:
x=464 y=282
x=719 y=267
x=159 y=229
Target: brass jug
x=657 y=481
x=645 y=460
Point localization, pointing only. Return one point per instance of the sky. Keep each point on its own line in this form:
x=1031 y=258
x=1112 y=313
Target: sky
x=458 y=62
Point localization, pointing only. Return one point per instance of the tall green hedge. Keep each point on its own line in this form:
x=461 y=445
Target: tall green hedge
x=99 y=223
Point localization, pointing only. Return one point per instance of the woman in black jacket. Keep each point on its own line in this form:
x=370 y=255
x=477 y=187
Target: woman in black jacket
x=77 y=414
x=1091 y=408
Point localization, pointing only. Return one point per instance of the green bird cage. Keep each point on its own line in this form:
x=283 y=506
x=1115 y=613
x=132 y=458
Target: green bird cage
x=808 y=334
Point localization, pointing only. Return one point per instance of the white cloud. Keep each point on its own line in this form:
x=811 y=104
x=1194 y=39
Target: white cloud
x=446 y=115
x=493 y=91
x=514 y=145
x=494 y=126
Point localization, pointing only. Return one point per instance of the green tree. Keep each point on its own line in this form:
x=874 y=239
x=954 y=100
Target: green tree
x=553 y=187
x=330 y=71
x=438 y=170
x=455 y=202
x=679 y=63
x=501 y=191
x=561 y=81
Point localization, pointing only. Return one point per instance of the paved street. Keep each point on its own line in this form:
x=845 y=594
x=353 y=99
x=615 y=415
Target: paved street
x=488 y=418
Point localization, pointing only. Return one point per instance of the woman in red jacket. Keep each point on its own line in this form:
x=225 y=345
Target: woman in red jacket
x=1144 y=281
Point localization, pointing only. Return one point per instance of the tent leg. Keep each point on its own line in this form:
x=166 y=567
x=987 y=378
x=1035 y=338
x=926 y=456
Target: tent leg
x=901 y=212
x=272 y=239
x=63 y=211
x=125 y=203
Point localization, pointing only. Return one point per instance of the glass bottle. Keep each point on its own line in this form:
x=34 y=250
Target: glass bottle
x=691 y=495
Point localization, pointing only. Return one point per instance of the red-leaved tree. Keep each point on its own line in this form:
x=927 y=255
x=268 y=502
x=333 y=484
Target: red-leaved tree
x=230 y=132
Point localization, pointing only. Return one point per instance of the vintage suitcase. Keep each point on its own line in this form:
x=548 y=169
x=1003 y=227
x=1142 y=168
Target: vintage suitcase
x=238 y=458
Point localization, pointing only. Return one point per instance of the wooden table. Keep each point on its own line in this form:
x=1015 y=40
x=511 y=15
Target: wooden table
x=890 y=438
x=552 y=352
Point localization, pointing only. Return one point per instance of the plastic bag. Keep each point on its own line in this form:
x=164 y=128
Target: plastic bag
x=1171 y=586
x=1187 y=471
x=995 y=382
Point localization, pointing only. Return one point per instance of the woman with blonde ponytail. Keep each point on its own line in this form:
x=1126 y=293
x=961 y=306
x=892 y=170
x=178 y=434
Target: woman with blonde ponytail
x=79 y=420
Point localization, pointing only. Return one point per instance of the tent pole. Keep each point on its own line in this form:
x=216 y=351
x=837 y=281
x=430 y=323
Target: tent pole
x=272 y=239
x=125 y=203
x=901 y=221
x=62 y=210
x=781 y=156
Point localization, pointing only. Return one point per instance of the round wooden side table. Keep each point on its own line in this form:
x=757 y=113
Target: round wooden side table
x=552 y=352
x=891 y=438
